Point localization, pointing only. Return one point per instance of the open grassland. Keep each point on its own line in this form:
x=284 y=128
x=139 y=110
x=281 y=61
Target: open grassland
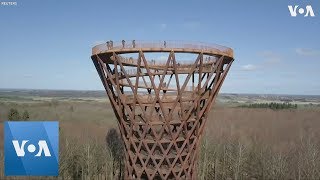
x=239 y=143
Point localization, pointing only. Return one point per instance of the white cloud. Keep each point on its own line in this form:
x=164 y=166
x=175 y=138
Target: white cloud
x=192 y=25
x=27 y=76
x=162 y=58
x=307 y=52
x=163 y=26
x=270 y=57
x=249 y=67
x=59 y=76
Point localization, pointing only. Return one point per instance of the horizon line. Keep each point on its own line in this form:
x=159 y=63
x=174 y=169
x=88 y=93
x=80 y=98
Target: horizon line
x=44 y=89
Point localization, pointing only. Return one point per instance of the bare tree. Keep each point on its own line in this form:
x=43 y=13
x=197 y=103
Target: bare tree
x=115 y=144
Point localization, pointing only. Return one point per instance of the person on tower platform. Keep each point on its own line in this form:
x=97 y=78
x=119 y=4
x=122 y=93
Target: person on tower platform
x=111 y=44
x=134 y=43
x=108 y=45
x=123 y=43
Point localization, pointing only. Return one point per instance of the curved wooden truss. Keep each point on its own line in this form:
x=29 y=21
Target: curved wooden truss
x=161 y=107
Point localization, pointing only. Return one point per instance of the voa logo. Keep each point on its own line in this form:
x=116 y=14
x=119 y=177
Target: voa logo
x=307 y=11
x=31 y=148
x=42 y=144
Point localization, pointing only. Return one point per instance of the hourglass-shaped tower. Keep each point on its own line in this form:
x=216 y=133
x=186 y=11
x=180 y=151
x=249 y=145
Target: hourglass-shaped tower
x=161 y=105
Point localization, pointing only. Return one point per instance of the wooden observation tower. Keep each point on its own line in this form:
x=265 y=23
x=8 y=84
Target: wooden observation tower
x=161 y=105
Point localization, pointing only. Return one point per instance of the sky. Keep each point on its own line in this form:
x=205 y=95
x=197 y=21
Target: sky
x=46 y=44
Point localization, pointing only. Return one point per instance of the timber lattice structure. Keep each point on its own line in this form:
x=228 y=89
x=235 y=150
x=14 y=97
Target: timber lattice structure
x=161 y=106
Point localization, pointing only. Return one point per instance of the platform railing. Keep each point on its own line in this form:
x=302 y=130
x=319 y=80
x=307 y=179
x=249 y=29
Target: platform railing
x=183 y=63
x=165 y=86
x=158 y=44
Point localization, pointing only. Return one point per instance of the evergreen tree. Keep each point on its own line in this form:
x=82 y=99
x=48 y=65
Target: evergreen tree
x=13 y=115
x=25 y=116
